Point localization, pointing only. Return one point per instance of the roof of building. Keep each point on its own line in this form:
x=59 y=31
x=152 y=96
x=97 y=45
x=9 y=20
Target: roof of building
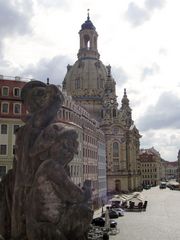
x=150 y=151
x=88 y=24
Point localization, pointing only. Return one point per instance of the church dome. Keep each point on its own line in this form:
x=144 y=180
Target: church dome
x=86 y=78
x=88 y=25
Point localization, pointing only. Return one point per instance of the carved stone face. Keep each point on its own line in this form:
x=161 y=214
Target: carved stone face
x=41 y=97
x=65 y=148
x=37 y=98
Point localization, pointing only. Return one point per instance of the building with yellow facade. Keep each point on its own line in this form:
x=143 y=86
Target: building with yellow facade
x=150 y=166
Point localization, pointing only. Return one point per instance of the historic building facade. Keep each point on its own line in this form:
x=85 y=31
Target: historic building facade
x=91 y=85
x=171 y=170
x=150 y=165
x=11 y=111
x=90 y=163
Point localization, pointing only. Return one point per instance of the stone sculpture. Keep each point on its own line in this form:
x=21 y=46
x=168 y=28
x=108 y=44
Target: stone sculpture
x=45 y=203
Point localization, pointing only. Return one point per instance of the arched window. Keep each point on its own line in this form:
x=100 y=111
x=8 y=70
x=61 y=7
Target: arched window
x=116 y=165
x=5 y=107
x=115 y=149
x=114 y=112
x=87 y=41
x=5 y=91
x=17 y=108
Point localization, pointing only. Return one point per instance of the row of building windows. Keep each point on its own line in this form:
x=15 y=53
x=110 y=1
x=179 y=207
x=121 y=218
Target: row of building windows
x=5 y=91
x=77 y=116
x=16 y=108
x=89 y=153
x=149 y=165
x=90 y=169
x=149 y=176
x=72 y=116
x=4 y=128
x=77 y=171
x=171 y=170
x=149 y=170
x=89 y=139
x=153 y=182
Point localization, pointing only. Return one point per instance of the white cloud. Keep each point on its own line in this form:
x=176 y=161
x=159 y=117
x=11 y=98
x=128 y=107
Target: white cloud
x=164 y=114
x=54 y=69
x=119 y=75
x=53 y=4
x=154 y=4
x=166 y=142
x=150 y=71
x=138 y=15
x=14 y=18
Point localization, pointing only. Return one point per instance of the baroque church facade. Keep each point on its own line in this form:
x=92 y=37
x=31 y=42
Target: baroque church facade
x=91 y=85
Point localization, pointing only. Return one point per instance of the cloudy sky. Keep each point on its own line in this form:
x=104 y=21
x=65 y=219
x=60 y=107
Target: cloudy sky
x=139 y=38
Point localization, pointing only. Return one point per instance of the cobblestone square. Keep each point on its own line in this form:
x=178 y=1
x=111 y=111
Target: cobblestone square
x=161 y=221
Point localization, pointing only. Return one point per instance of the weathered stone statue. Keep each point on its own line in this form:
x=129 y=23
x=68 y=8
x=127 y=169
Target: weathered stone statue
x=45 y=203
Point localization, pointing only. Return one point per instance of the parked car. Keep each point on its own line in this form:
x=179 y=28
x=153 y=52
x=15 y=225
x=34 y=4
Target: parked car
x=112 y=214
x=116 y=203
x=120 y=211
x=147 y=187
x=162 y=185
x=100 y=222
x=173 y=187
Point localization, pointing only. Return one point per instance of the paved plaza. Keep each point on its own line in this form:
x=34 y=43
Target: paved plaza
x=161 y=221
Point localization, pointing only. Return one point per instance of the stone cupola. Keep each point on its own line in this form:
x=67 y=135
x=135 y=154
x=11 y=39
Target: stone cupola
x=88 y=41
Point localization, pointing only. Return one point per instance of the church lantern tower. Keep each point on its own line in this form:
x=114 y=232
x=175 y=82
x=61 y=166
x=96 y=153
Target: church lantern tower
x=88 y=41
x=85 y=79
